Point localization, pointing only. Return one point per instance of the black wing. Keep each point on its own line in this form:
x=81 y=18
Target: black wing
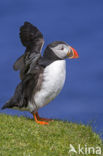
x=33 y=40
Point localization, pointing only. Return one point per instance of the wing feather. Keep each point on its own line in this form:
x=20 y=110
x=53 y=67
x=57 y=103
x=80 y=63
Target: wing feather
x=33 y=40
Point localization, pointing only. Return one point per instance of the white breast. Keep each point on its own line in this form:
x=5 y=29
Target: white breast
x=53 y=81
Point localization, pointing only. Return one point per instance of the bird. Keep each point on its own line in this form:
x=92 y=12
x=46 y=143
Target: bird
x=42 y=77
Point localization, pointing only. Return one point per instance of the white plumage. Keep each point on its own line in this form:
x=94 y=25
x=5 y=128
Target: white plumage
x=53 y=81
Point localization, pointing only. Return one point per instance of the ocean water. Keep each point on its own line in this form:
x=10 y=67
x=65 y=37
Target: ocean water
x=80 y=24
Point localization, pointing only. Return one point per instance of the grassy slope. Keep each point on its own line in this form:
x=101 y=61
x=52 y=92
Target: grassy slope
x=23 y=137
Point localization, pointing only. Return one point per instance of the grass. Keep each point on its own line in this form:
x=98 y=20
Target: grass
x=21 y=136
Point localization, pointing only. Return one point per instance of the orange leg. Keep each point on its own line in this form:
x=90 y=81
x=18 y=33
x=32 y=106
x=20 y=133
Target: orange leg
x=37 y=120
x=44 y=119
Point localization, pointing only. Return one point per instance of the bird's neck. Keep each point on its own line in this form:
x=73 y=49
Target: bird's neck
x=48 y=57
x=45 y=61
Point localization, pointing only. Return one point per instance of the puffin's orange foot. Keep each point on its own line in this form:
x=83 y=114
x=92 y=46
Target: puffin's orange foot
x=42 y=119
x=39 y=122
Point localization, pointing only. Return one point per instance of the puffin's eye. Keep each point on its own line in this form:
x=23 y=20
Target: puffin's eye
x=62 y=48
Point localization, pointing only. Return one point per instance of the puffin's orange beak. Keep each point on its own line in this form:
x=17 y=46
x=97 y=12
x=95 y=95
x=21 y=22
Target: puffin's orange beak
x=75 y=54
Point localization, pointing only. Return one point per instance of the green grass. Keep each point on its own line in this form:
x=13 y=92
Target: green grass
x=21 y=136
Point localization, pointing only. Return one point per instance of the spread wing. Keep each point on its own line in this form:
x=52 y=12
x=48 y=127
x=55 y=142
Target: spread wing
x=33 y=40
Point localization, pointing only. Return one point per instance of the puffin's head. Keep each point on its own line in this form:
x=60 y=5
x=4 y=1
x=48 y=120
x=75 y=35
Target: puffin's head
x=62 y=50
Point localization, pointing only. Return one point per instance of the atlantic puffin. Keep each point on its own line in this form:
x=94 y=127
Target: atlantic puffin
x=42 y=77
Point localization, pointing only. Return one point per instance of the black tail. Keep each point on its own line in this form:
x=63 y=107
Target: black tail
x=10 y=104
x=16 y=100
x=5 y=106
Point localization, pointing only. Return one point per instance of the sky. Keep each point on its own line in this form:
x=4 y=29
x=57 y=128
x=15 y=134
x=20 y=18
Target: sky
x=80 y=24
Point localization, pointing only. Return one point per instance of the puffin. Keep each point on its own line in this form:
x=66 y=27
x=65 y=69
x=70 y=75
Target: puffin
x=42 y=77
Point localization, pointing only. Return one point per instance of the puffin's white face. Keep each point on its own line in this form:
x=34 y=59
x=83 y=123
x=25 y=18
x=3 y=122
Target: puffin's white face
x=61 y=50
